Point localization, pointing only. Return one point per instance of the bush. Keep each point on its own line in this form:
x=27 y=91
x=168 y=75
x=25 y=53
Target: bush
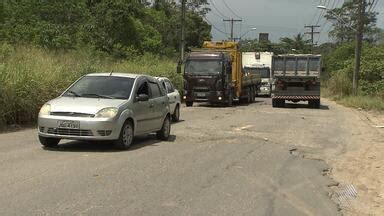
x=30 y=76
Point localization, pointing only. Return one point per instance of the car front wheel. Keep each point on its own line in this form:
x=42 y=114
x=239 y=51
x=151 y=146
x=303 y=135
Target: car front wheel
x=126 y=136
x=165 y=131
x=49 y=142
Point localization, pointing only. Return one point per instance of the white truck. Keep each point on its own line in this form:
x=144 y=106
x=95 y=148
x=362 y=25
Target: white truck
x=259 y=63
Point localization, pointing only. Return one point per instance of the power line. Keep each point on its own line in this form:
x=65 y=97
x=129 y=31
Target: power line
x=218 y=11
x=226 y=5
x=312 y=32
x=213 y=26
x=232 y=21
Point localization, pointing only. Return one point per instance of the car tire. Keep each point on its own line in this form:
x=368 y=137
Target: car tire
x=126 y=136
x=189 y=103
x=49 y=142
x=176 y=114
x=164 y=132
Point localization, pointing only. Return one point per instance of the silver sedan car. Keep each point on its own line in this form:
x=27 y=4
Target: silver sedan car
x=174 y=97
x=106 y=106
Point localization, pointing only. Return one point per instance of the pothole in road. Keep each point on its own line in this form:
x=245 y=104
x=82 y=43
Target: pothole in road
x=343 y=194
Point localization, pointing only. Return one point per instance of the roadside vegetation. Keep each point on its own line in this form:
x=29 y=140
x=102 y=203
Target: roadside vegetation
x=30 y=76
x=46 y=45
x=339 y=60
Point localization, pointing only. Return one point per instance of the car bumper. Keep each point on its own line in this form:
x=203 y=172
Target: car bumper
x=90 y=128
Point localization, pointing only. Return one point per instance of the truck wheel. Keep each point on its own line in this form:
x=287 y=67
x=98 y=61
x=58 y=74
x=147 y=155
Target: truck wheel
x=252 y=95
x=249 y=97
x=189 y=103
x=314 y=104
x=49 y=142
x=274 y=102
x=230 y=98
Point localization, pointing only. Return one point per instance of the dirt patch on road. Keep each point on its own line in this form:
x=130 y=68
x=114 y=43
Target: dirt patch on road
x=360 y=169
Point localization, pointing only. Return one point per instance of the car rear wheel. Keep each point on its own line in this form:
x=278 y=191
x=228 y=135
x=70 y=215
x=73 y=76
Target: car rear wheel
x=165 y=131
x=49 y=142
x=176 y=114
x=126 y=136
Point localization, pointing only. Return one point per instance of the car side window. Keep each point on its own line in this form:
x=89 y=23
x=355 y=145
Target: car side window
x=169 y=87
x=155 y=90
x=165 y=87
x=143 y=89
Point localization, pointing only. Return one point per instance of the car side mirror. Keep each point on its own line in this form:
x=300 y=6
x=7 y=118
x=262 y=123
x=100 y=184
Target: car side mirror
x=142 y=97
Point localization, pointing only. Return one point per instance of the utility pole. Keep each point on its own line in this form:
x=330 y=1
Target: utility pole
x=359 y=45
x=312 y=32
x=232 y=21
x=182 y=42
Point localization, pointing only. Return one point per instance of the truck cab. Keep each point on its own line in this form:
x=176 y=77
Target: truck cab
x=207 y=77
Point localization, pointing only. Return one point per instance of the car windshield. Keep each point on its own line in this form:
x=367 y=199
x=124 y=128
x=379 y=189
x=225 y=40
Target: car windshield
x=102 y=87
x=201 y=67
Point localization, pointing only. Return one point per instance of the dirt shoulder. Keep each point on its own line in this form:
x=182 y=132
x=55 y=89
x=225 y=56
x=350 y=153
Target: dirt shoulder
x=360 y=166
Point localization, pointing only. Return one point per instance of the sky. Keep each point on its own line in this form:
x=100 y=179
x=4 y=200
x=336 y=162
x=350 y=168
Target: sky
x=279 y=18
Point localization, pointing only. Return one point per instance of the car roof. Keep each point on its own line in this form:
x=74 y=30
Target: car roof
x=161 y=78
x=128 y=75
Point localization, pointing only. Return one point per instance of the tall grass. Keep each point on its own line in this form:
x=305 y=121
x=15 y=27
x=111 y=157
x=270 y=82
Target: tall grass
x=31 y=76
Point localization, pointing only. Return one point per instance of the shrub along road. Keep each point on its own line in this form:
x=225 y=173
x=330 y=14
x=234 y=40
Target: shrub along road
x=245 y=160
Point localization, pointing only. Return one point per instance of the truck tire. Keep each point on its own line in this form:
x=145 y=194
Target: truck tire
x=253 y=94
x=314 y=104
x=274 y=102
x=230 y=99
x=248 y=101
x=189 y=103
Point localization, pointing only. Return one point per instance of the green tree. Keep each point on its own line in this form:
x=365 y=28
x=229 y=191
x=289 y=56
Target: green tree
x=345 y=22
x=297 y=44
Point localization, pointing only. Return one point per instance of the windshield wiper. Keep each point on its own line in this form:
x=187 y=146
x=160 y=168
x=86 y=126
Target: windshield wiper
x=74 y=93
x=97 y=95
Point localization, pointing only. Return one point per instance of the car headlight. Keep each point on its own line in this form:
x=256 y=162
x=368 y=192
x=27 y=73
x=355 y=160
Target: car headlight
x=45 y=109
x=108 y=112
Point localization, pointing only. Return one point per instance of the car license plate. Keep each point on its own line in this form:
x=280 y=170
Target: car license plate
x=68 y=124
x=200 y=94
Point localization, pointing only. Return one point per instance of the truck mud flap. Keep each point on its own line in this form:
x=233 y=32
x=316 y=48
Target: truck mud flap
x=289 y=97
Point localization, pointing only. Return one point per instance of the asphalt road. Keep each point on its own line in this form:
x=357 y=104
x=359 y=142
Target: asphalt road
x=220 y=161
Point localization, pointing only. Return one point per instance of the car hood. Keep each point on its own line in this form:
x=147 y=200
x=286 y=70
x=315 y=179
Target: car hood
x=82 y=105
